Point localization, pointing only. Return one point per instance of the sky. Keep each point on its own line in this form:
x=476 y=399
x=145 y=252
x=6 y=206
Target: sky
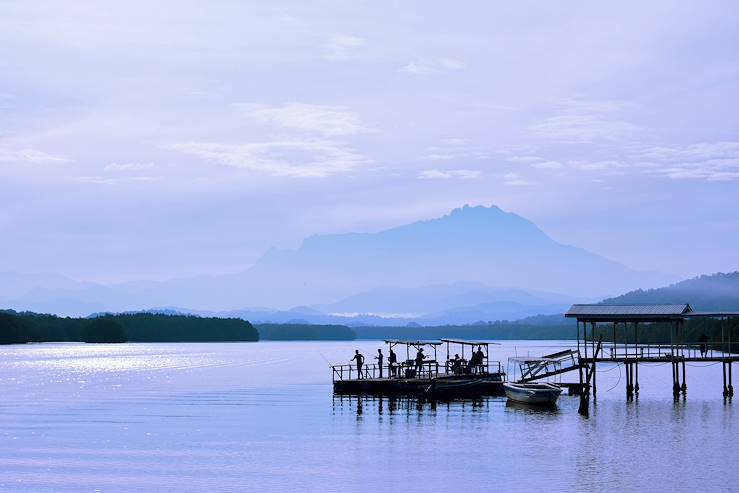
x=151 y=140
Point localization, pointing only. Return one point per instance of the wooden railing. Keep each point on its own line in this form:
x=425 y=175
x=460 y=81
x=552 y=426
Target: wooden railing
x=662 y=351
x=408 y=369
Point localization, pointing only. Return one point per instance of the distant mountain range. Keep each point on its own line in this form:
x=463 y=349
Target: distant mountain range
x=476 y=263
x=717 y=292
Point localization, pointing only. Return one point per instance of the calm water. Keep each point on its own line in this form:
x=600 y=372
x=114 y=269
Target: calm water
x=243 y=417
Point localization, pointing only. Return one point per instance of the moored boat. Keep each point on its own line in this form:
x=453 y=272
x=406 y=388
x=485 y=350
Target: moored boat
x=532 y=393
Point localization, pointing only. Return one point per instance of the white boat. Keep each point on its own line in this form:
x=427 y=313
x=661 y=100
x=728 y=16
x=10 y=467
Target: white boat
x=532 y=393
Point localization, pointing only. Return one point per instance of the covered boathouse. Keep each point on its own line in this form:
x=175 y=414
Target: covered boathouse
x=643 y=333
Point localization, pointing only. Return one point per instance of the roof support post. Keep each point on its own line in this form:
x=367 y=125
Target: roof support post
x=614 y=339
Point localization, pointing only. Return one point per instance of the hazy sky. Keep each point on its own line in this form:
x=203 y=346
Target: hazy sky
x=160 y=139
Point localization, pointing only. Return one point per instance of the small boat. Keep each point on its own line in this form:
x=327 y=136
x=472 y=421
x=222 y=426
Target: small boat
x=532 y=393
x=452 y=387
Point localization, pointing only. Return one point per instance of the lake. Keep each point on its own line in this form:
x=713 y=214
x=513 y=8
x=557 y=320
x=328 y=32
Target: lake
x=233 y=417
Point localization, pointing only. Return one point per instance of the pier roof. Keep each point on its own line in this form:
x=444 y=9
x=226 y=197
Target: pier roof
x=711 y=314
x=646 y=312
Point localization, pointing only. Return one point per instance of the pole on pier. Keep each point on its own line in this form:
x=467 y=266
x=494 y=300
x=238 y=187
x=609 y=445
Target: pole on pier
x=636 y=371
x=579 y=363
x=684 y=387
x=595 y=387
x=676 y=383
x=584 y=408
x=723 y=368
x=592 y=336
x=614 y=338
x=731 y=387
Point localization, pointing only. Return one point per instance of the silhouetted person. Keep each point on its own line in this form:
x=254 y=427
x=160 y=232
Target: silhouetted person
x=480 y=358
x=703 y=339
x=379 y=359
x=471 y=364
x=419 y=361
x=360 y=361
x=456 y=364
x=392 y=362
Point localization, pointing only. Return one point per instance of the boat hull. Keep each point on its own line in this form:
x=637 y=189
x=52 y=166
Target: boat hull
x=539 y=393
x=465 y=386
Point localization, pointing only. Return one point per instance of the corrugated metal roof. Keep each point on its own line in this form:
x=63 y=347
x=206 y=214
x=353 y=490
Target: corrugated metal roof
x=713 y=314
x=629 y=311
x=413 y=343
x=470 y=343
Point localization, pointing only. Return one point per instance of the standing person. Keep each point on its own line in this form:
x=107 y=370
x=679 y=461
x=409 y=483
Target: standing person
x=392 y=362
x=703 y=339
x=480 y=357
x=379 y=359
x=419 y=361
x=471 y=364
x=360 y=361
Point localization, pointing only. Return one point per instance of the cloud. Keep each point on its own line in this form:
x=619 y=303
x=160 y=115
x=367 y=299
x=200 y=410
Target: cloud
x=547 y=165
x=423 y=67
x=322 y=119
x=29 y=156
x=128 y=166
x=710 y=161
x=287 y=158
x=582 y=128
x=343 y=47
x=436 y=174
x=102 y=180
x=605 y=165
x=515 y=180
x=524 y=159
x=455 y=148
x=585 y=122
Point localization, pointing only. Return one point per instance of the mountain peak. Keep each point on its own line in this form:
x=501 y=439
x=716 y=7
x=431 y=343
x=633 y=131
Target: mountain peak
x=480 y=210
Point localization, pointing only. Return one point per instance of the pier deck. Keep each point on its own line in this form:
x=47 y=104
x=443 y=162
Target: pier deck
x=416 y=387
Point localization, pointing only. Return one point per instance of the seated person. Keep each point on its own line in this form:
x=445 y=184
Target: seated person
x=456 y=364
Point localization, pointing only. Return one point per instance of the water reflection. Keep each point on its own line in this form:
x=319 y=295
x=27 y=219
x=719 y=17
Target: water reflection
x=550 y=408
x=390 y=405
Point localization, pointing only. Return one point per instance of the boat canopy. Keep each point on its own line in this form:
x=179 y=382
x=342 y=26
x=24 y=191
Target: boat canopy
x=412 y=343
x=533 y=359
x=469 y=343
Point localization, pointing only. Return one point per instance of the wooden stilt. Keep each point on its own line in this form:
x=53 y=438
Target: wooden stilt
x=584 y=408
x=675 y=379
x=636 y=372
x=595 y=374
x=726 y=390
x=731 y=386
x=684 y=387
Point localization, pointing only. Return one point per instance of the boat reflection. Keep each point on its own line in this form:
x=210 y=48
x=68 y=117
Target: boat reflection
x=540 y=408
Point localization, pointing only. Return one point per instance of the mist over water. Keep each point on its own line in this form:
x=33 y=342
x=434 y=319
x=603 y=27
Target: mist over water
x=245 y=416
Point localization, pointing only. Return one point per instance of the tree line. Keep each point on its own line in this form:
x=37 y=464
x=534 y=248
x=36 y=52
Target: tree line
x=23 y=327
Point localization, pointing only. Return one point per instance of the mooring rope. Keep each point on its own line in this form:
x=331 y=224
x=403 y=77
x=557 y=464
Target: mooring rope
x=618 y=365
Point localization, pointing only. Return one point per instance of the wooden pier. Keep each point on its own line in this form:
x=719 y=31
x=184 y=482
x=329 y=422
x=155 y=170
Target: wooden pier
x=606 y=334
x=624 y=325
x=418 y=387
x=455 y=377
